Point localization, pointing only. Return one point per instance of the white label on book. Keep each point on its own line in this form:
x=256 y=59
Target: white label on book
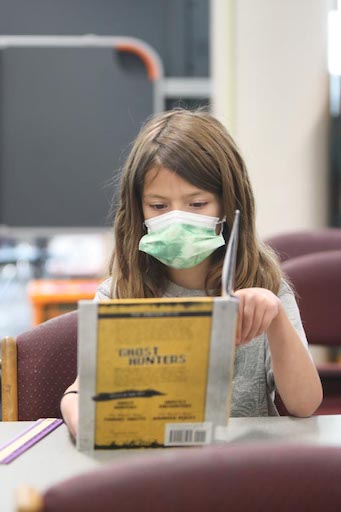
x=188 y=434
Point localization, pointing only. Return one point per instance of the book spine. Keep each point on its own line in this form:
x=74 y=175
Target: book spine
x=87 y=357
x=221 y=357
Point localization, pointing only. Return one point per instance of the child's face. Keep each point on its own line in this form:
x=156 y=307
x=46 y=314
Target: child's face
x=165 y=191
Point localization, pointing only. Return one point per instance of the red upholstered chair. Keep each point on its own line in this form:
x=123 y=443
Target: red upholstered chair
x=317 y=281
x=37 y=367
x=293 y=244
x=234 y=478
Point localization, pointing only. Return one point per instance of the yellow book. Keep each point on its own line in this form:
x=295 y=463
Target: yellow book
x=156 y=372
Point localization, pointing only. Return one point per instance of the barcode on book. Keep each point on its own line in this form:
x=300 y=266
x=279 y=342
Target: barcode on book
x=188 y=434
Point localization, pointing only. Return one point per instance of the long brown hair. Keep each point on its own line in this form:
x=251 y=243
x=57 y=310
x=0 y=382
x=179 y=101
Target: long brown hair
x=198 y=148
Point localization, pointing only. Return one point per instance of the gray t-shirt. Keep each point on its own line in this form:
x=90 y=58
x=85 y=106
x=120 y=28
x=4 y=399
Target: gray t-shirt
x=254 y=388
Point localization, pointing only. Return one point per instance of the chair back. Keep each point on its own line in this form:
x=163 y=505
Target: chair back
x=317 y=281
x=46 y=366
x=236 y=478
x=293 y=244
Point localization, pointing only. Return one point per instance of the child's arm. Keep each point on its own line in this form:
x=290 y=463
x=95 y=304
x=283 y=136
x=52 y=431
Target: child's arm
x=69 y=408
x=296 y=377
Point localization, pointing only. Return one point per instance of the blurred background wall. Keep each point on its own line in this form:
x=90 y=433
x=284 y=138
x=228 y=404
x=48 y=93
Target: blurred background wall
x=273 y=63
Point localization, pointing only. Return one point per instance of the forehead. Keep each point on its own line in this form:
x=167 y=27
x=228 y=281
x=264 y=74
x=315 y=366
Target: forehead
x=163 y=180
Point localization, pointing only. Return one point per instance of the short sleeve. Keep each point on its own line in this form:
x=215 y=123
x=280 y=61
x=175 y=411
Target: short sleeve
x=103 y=292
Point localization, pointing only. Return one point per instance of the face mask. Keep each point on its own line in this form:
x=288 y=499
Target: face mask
x=181 y=239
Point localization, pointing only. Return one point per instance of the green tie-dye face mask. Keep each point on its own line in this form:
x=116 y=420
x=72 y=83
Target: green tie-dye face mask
x=181 y=239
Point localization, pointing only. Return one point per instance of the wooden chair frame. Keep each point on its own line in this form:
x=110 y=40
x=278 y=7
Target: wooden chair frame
x=46 y=355
x=28 y=499
x=9 y=379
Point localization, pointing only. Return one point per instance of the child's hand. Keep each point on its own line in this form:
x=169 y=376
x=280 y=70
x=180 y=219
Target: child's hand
x=257 y=309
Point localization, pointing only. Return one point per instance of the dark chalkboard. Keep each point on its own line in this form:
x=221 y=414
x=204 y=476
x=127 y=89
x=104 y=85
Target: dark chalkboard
x=67 y=119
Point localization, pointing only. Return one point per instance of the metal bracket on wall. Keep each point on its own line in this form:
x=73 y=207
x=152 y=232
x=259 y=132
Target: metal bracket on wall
x=163 y=87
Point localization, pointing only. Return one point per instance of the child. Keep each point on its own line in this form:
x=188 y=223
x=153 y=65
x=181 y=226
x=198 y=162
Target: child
x=180 y=187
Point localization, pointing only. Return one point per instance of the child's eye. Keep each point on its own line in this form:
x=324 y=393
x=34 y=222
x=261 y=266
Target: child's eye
x=158 y=206
x=199 y=204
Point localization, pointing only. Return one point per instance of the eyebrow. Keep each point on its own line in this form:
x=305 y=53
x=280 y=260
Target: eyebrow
x=157 y=196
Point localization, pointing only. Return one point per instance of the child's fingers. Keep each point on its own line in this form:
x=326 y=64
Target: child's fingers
x=261 y=327
x=239 y=320
x=248 y=321
x=268 y=317
x=257 y=325
x=257 y=309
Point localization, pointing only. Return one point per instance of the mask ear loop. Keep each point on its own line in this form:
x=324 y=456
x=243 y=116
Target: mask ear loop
x=221 y=222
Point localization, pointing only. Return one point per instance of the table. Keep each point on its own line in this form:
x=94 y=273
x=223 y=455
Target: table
x=56 y=458
x=51 y=460
x=52 y=297
x=317 y=430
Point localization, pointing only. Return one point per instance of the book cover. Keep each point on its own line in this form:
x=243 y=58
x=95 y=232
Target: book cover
x=159 y=363
x=157 y=372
